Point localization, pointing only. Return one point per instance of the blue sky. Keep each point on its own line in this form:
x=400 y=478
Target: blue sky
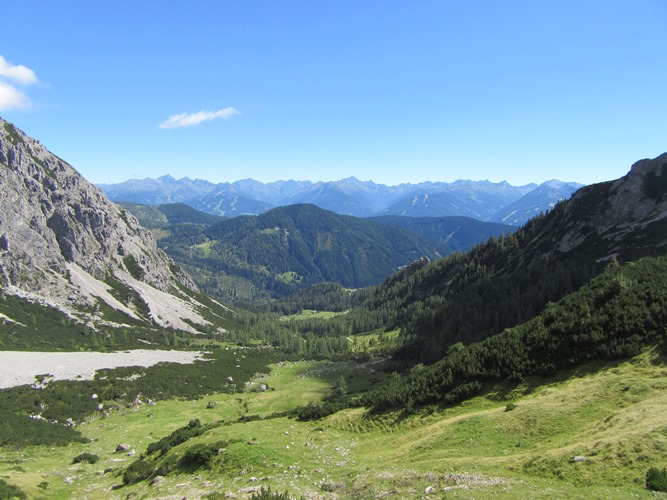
x=390 y=91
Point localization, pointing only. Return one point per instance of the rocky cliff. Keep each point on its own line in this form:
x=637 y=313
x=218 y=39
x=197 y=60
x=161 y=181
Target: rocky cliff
x=64 y=243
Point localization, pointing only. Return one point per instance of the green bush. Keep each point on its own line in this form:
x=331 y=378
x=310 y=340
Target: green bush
x=10 y=491
x=137 y=471
x=85 y=457
x=199 y=455
x=656 y=479
x=180 y=435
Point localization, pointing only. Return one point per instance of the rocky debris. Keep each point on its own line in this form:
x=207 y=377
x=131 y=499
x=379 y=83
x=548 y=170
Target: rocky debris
x=61 y=237
x=230 y=380
x=123 y=447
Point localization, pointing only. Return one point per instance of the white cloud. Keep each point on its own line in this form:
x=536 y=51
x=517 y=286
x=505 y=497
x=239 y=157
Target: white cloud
x=11 y=76
x=191 y=119
x=11 y=98
x=21 y=74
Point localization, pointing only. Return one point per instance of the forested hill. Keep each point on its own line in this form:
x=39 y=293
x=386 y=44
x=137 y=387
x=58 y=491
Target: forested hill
x=164 y=216
x=303 y=244
x=510 y=279
x=615 y=315
x=451 y=234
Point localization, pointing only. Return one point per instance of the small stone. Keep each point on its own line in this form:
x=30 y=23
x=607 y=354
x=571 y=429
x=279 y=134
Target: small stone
x=157 y=480
x=123 y=447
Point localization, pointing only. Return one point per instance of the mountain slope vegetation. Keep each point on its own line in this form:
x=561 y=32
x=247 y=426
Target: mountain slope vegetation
x=509 y=280
x=615 y=315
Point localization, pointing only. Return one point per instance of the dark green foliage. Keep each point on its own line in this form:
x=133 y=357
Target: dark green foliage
x=9 y=491
x=267 y=494
x=180 y=435
x=202 y=454
x=13 y=134
x=138 y=471
x=86 y=457
x=510 y=407
x=320 y=297
x=614 y=316
x=179 y=213
x=168 y=215
x=451 y=234
x=656 y=479
x=18 y=431
x=316 y=411
x=133 y=267
x=339 y=390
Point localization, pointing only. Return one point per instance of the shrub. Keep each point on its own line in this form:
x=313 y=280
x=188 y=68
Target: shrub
x=180 y=435
x=656 y=479
x=510 y=407
x=10 y=491
x=137 y=471
x=266 y=494
x=85 y=457
x=199 y=455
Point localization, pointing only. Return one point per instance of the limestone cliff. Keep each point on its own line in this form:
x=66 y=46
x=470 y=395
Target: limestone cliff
x=64 y=243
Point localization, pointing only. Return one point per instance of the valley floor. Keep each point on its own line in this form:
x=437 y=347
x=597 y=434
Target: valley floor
x=587 y=433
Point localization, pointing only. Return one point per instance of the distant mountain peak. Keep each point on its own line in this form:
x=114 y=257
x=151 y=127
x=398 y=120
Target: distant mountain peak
x=348 y=196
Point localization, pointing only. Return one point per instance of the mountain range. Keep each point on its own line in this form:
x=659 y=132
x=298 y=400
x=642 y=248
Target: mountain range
x=482 y=200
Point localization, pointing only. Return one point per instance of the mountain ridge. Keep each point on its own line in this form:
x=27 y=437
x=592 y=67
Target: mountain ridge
x=482 y=200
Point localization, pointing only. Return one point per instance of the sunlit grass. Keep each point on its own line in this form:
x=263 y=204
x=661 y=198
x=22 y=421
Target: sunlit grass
x=593 y=432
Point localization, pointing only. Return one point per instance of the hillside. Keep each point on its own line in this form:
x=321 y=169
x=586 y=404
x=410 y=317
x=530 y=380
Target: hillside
x=66 y=247
x=295 y=246
x=451 y=234
x=510 y=279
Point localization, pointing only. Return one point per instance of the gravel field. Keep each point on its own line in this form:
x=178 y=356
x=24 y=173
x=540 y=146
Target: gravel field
x=20 y=367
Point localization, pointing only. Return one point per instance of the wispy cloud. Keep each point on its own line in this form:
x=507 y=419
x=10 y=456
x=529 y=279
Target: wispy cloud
x=10 y=76
x=191 y=119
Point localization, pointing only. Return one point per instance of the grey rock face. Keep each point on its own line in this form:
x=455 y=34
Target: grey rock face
x=54 y=224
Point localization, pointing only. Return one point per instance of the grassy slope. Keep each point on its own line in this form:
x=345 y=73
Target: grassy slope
x=614 y=415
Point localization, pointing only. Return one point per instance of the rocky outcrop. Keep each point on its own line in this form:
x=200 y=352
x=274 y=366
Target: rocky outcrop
x=61 y=239
x=625 y=218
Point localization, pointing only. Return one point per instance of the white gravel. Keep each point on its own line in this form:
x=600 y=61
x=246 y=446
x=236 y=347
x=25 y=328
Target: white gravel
x=20 y=367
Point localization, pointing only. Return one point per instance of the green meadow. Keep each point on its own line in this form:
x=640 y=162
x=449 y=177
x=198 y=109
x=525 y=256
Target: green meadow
x=591 y=432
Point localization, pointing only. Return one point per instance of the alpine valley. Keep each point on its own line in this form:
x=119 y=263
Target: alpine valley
x=312 y=351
